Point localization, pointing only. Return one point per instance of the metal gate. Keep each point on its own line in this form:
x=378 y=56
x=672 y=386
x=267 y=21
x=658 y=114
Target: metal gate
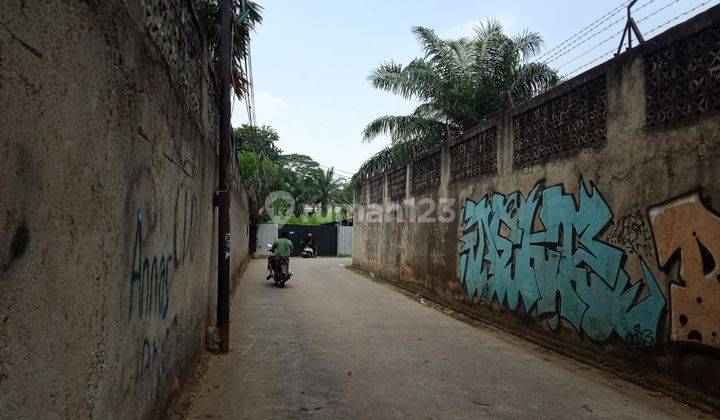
x=325 y=237
x=332 y=240
x=266 y=234
x=345 y=240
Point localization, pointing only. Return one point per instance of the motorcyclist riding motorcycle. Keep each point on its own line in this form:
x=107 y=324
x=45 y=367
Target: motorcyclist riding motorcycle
x=309 y=242
x=281 y=249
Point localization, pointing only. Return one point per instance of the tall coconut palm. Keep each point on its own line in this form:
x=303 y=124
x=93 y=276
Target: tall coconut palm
x=459 y=83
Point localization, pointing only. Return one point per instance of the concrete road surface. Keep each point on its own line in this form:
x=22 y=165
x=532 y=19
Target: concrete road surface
x=334 y=344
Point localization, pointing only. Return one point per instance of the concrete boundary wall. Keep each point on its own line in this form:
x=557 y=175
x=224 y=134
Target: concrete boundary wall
x=586 y=217
x=108 y=232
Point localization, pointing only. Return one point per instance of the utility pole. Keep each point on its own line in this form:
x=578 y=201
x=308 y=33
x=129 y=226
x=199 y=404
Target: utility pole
x=223 y=295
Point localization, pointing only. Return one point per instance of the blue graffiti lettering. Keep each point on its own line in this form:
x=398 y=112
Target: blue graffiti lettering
x=152 y=278
x=544 y=250
x=159 y=357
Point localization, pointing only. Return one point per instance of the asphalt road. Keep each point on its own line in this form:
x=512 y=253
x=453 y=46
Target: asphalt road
x=334 y=344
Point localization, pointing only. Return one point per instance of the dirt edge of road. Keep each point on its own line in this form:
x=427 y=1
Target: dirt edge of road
x=661 y=387
x=180 y=407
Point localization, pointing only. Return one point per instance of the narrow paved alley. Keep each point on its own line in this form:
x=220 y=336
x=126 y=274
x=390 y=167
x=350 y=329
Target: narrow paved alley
x=334 y=344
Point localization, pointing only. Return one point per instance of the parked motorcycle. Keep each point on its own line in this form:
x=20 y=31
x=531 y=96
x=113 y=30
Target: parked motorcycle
x=281 y=269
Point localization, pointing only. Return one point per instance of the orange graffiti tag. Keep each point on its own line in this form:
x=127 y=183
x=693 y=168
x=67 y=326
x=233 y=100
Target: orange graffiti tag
x=686 y=224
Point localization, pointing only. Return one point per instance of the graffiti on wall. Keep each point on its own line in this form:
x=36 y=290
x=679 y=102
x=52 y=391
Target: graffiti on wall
x=632 y=234
x=185 y=232
x=158 y=356
x=159 y=348
x=544 y=250
x=686 y=230
x=149 y=280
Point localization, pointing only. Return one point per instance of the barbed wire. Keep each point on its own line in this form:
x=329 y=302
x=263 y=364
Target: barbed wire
x=655 y=29
x=601 y=31
x=650 y=32
x=587 y=63
x=613 y=36
x=642 y=19
x=572 y=47
x=591 y=26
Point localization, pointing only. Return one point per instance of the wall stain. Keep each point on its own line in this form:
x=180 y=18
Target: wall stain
x=18 y=245
x=20 y=241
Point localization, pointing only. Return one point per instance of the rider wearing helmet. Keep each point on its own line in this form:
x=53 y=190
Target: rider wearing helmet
x=310 y=242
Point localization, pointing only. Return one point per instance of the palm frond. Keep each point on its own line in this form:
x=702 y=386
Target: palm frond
x=460 y=83
x=402 y=128
x=417 y=79
x=431 y=44
x=487 y=29
x=532 y=79
x=528 y=44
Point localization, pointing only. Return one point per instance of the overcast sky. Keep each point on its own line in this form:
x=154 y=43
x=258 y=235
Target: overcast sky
x=311 y=59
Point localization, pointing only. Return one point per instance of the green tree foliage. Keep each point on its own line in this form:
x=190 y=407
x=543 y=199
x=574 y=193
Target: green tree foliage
x=243 y=24
x=324 y=189
x=301 y=164
x=459 y=84
x=258 y=140
x=261 y=177
x=264 y=169
x=297 y=172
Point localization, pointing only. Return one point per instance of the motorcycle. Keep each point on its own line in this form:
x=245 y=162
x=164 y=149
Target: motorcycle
x=281 y=270
x=308 y=252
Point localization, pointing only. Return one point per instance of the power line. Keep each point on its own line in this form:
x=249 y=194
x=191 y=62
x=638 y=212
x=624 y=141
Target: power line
x=335 y=169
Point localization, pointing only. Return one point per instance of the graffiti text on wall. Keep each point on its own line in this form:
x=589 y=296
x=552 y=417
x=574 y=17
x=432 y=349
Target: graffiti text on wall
x=151 y=276
x=185 y=232
x=544 y=250
x=632 y=234
x=158 y=356
x=686 y=225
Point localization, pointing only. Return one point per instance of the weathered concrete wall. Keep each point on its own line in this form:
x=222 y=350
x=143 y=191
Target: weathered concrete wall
x=107 y=228
x=583 y=218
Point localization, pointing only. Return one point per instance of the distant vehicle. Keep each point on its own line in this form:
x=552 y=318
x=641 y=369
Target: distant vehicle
x=308 y=252
x=310 y=247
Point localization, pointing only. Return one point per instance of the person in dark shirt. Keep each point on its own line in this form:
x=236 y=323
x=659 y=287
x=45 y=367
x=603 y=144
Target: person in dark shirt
x=310 y=242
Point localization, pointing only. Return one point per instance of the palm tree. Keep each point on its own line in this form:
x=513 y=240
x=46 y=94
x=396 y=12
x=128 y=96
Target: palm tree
x=242 y=25
x=298 y=185
x=460 y=83
x=323 y=188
